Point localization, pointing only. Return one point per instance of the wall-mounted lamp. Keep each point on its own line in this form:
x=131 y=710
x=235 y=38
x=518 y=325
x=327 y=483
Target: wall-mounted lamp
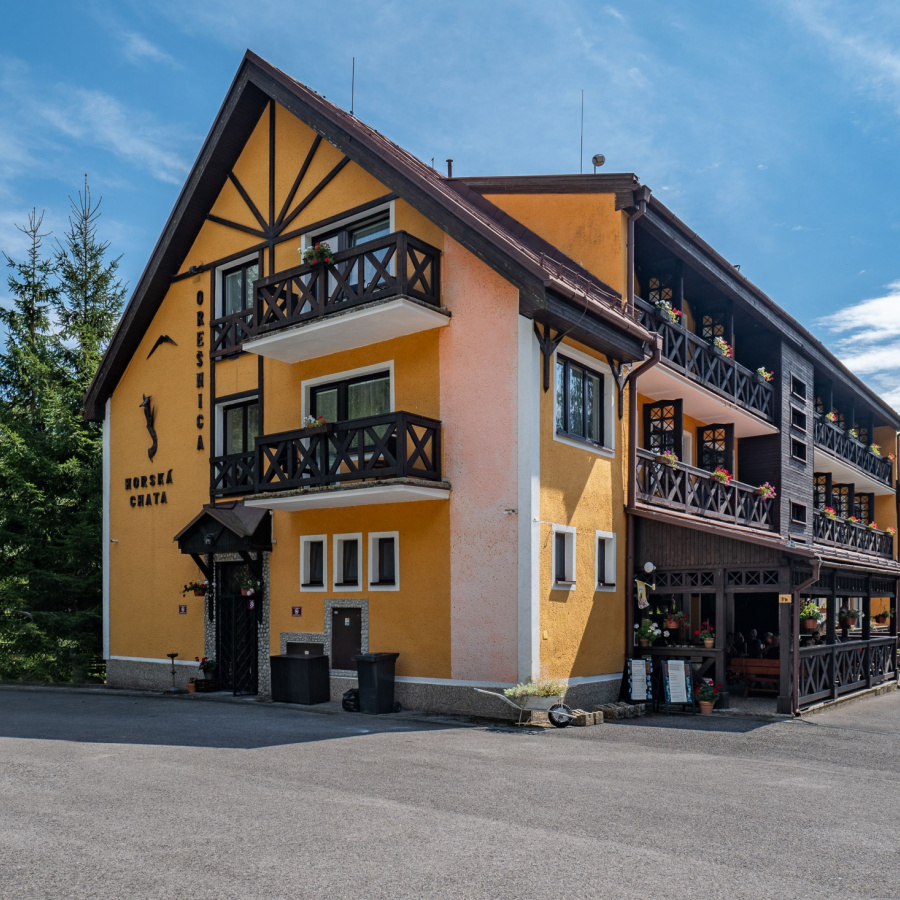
x=193 y=270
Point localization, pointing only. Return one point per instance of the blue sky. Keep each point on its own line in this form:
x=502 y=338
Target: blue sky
x=771 y=127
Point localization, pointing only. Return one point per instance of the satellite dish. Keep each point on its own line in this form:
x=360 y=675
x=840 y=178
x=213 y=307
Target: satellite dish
x=598 y=159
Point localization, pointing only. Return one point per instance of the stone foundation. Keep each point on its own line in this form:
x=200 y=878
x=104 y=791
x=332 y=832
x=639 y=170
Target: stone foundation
x=144 y=675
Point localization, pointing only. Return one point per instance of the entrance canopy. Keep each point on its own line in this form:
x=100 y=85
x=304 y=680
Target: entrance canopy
x=226 y=528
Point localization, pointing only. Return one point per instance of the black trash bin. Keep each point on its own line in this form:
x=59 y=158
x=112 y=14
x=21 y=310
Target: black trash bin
x=300 y=679
x=376 y=682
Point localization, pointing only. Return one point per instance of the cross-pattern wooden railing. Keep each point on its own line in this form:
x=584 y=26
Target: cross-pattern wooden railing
x=233 y=474
x=836 y=441
x=395 y=445
x=828 y=671
x=851 y=535
x=229 y=332
x=694 y=357
x=396 y=265
x=692 y=491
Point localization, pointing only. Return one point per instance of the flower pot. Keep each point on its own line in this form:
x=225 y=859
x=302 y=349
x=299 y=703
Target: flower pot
x=200 y=592
x=850 y=622
x=809 y=624
x=717 y=350
x=314 y=429
x=672 y=624
x=709 y=643
x=757 y=377
x=663 y=461
x=192 y=687
x=245 y=592
x=882 y=620
x=644 y=642
x=706 y=707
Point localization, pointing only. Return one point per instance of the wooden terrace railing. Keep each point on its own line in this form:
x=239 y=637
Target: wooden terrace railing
x=837 y=442
x=695 y=358
x=851 y=535
x=692 y=491
x=233 y=474
x=828 y=671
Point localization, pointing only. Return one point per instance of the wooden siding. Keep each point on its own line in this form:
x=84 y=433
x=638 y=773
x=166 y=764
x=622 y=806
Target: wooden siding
x=796 y=481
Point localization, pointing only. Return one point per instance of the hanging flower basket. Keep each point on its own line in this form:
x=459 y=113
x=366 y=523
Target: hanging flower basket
x=809 y=624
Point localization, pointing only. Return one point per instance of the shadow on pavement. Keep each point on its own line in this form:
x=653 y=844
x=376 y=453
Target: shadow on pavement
x=683 y=722
x=100 y=718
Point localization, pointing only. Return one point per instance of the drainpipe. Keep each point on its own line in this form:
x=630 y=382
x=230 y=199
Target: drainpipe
x=642 y=198
x=795 y=642
x=631 y=383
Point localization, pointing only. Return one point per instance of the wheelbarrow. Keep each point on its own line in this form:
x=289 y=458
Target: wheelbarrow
x=557 y=712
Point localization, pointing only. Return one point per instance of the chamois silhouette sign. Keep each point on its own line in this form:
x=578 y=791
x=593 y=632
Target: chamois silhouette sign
x=150 y=415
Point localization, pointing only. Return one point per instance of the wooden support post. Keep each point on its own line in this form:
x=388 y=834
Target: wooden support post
x=784 y=705
x=724 y=698
x=867 y=629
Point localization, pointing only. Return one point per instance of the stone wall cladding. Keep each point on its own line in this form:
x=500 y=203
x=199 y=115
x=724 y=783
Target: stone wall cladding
x=330 y=605
x=146 y=676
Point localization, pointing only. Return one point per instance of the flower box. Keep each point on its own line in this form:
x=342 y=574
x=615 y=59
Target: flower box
x=310 y=430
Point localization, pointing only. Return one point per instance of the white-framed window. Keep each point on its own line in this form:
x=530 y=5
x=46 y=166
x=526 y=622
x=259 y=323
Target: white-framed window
x=605 y=561
x=234 y=285
x=356 y=229
x=314 y=562
x=384 y=561
x=562 y=557
x=237 y=424
x=347 y=557
x=584 y=402
x=353 y=394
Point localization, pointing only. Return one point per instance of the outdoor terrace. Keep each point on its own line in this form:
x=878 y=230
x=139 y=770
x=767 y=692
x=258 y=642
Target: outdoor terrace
x=833 y=439
x=851 y=535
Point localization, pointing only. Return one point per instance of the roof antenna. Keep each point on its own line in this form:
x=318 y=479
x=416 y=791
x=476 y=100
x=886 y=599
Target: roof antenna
x=352 y=85
x=581 y=144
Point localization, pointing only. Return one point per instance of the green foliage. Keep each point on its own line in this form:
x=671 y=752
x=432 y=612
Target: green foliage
x=543 y=688
x=62 y=316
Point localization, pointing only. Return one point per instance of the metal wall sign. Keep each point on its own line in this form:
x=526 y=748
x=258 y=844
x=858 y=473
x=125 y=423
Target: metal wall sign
x=678 y=683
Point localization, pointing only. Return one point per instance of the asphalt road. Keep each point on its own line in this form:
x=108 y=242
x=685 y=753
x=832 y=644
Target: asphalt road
x=110 y=796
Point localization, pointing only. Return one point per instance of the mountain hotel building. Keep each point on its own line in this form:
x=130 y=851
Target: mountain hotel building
x=499 y=374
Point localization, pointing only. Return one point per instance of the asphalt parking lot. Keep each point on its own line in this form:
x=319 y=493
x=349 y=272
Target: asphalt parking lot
x=109 y=795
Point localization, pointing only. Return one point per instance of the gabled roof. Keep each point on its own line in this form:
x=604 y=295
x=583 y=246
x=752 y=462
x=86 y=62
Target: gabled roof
x=533 y=266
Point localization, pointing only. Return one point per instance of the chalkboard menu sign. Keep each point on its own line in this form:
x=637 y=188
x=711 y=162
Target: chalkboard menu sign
x=637 y=681
x=678 y=683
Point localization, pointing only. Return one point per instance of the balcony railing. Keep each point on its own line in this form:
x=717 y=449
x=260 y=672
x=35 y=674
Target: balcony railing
x=233 y=474
x=392 y=266
x=852 y=535
x=837 y=442
x=693 y=491
x=396 y=445
x=828 y=671
x=692 y=355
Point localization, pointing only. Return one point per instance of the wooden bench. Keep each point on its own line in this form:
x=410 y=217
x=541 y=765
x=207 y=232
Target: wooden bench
x=762 y=675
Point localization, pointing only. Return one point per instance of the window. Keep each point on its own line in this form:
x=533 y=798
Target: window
x=821 y=490
x=663 y=424
x=355 y=233
x=579 y=401
x=798 y=450
x=798 y=513
x=712 y=327
x=384 y=561
x=798 y=387
x=842 y=500
x=606 y=561
x=562 y=562
x=715 y=447
x=352 y=398
x=865 y=508
x=239 y=426
x=313 y=563
x=660 y=288
x=237 y=287
x=347 y=559
x=798 y=419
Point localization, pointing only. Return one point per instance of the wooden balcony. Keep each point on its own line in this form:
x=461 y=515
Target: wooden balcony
x=837 y=442
x=233 y=474
x=829 y=671
x=383 y=289
x=851 y=535
x=693 y=357
x=692 y=491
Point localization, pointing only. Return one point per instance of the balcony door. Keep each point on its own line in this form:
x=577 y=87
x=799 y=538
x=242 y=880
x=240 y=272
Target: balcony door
x=353 y=235
x=663 y=427
x=715 y=447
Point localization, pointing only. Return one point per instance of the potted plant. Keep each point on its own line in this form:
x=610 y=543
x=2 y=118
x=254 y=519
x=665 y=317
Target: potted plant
x=674 y=620
x=668 y=458
x=313 y=425
x=648 y=632
x=891 y=530
x=762 y=374
x=197 y=588
x=192 y=685
x=207 y=666
x=251 y=586
x=720 y=474
x=872 y=526
x=706 y=634
x=320 y=252
x=853 y=432
x=706 y=694
x=541 y=694
x=849 y=617
x=828 y=512
x=875 y=449
x=664 y=309
x=721 y=347
x=884 y=616
x=831 y=416
x=767 y=491
x=810 y=615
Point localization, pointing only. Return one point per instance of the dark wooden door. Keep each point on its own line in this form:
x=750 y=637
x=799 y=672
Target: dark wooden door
x=346 y=637
x=236 y=631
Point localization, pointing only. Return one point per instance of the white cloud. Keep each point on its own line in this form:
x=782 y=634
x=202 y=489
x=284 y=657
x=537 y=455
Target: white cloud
x=138 y=49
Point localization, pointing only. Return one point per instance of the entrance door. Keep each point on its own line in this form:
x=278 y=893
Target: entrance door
x=236 y=648
x=346 y=637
